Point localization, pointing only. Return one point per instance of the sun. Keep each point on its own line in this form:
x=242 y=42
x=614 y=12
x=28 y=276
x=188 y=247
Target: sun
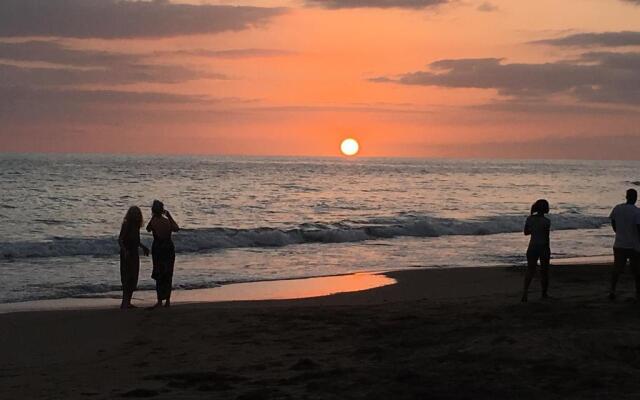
x=349 y=147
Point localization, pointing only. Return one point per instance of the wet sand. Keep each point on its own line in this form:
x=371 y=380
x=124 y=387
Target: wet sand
x=436 y=334
x=262 y=290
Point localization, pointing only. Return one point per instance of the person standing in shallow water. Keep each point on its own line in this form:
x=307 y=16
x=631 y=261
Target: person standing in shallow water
x=129 y=241
x=163 y=252
x=538 y=226
x=625 y=221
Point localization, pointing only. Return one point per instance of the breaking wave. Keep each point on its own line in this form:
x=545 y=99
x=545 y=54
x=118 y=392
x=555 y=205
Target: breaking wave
x=210 y=239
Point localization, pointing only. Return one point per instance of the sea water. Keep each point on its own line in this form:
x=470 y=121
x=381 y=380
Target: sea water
x=251 y=219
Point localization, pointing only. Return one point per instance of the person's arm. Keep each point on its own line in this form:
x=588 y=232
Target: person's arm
x=149 y=226
x=527 y=227
x=145 y=249
x=547 y=229
x=121 y=238
x=613 y=220
x=174 y=225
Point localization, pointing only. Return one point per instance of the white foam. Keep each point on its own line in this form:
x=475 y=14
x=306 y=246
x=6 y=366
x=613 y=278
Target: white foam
x=207 y=239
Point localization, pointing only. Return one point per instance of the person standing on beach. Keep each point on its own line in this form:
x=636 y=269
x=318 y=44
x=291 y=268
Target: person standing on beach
x=163 y=251
x=129 y=241
x=625 y=221
x=538 y=226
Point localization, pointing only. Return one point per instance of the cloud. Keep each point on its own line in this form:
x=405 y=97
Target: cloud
x=16 y=94
x=29 y=106
x=232 y=53
x=590 y=39
x=79 y=66
x=595 y=77
x=487 y=7
x=116 y=19
x=410 y=4
x=110 y=75
x=56 y=53
x=528 y=107
x=633 y=1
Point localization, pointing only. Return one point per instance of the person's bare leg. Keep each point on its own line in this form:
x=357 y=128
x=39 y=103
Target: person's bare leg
x=619 y=263
x=614 y=282
x=126 y=299
x=635 y=269
x=159 y=301
x=123 y=304
x=531 y=270
x=544 y=279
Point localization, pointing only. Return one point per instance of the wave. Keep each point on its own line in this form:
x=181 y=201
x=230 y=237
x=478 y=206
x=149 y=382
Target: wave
x=208 y=239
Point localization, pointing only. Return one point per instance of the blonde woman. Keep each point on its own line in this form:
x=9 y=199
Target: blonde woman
x=129 y=241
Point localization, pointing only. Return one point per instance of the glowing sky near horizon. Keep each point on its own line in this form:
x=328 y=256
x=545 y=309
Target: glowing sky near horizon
x=432 y=78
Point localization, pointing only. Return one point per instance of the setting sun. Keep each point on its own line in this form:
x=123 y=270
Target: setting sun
x=349 y=147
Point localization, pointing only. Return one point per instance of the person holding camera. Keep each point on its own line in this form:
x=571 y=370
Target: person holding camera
x=163 y=252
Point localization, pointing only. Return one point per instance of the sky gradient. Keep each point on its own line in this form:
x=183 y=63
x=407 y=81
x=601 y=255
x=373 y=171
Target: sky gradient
x=419 y=78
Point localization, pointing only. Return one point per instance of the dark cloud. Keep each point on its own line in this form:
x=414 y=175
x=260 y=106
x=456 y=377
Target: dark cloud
x=12 y=95
x=113 y=19
x=608 y=39
x=599 y=76
x=56 y=53
x=508 y=79
x=79 y=66
x=27 y=106
x=621 y=61
x=487 y=7
x=109 y=75
x=410 y=4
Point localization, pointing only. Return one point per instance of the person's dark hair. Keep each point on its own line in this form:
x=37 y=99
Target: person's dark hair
x=632 y=196
x=157 y=208
x=540 y=206
x=133 y=218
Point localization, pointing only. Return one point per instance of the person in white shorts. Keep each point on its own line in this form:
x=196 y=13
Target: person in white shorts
x=625 y=221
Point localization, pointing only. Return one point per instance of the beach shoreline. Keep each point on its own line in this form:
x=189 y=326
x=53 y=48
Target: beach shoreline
x=360 y=343
x=276 y=289
x=436 y=333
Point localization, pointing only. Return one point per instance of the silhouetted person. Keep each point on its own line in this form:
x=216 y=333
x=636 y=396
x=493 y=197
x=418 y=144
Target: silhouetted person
x=538 y=226
x=625 y=220
x=162 y=251
x=129 y=241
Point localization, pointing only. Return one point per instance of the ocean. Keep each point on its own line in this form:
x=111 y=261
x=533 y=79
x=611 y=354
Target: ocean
x=252 y=219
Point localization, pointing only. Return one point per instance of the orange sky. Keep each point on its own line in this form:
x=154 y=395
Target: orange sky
x=298 y=80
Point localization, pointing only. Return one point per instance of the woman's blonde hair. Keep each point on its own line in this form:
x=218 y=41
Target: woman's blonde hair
x=133 y=218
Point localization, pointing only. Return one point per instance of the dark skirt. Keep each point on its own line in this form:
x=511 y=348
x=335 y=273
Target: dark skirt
x=129 y=270
x=163 y=254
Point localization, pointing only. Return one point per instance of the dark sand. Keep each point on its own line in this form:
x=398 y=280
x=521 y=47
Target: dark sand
x=437 y=334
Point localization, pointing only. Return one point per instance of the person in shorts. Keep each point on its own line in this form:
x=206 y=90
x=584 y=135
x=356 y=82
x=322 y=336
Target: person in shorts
x=625 y=221
x=538 y=227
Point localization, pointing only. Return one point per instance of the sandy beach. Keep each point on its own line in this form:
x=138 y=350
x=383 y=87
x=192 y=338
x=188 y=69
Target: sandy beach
x=438 y=334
